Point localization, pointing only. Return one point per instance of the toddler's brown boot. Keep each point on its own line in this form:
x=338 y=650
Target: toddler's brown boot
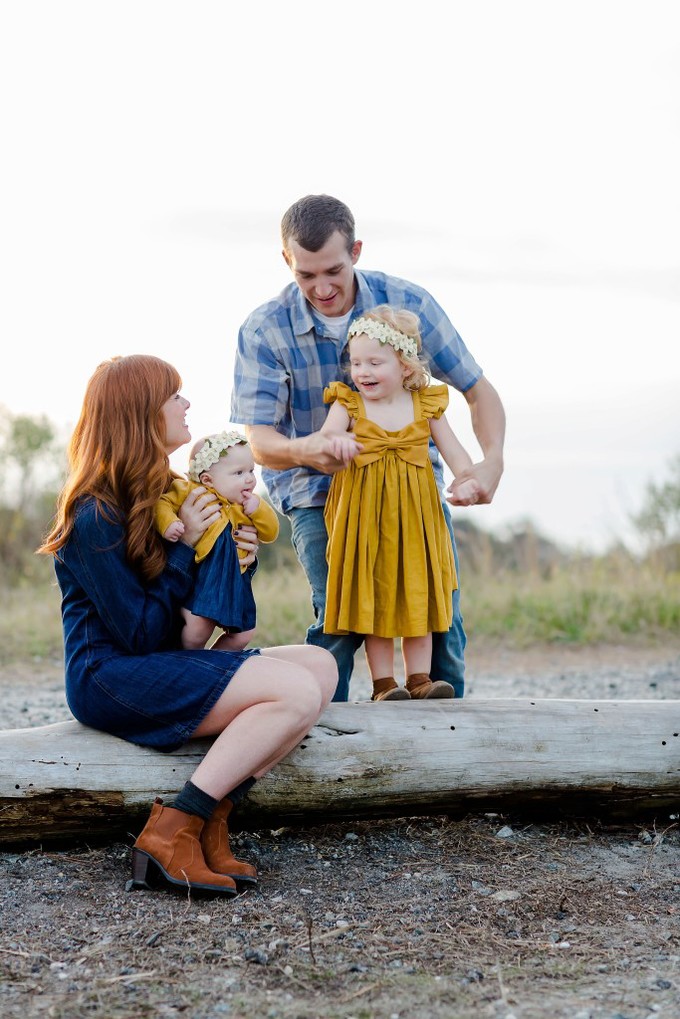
x=420 y=686
x=387 y=689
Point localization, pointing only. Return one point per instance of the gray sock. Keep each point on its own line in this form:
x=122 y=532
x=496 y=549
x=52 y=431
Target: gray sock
x=237 y=794
x=193 y=800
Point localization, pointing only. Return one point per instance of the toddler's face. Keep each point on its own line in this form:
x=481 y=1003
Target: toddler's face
x=376 y=369
x=233 y=476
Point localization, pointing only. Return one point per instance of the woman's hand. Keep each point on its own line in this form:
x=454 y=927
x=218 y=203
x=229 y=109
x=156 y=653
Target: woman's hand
x=246 y=538
x=199 y=510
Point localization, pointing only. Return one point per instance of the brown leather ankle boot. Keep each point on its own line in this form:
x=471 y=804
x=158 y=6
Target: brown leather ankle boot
x=420 y=686
x=217 y=851
x=387 y=689
x=169 y=845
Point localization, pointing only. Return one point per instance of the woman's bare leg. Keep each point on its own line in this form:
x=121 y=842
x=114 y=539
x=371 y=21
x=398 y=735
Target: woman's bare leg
x=269 y=706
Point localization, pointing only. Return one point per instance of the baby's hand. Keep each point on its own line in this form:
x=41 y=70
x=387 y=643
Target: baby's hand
x=344 y=446
x=465 y=494
x=174 y=531
x=250 y=503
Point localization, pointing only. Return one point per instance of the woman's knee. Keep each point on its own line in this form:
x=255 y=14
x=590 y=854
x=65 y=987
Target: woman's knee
x=291 y=689
x=323 y=668
x=307 y=658
x=306 y=696
x=293 y=678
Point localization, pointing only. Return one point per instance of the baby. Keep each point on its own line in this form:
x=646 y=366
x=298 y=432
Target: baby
x=223 y=464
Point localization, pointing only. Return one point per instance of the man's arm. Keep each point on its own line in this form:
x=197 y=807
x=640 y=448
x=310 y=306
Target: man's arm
x=273 y=450
x=488 y=423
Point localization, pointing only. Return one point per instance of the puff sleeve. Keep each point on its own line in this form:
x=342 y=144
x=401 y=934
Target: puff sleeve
x=433 y=401
x=345 y=396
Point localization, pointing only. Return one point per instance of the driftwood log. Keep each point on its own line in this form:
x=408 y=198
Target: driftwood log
x=66 y=782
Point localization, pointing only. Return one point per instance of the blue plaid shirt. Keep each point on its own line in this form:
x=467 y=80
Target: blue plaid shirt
x=284 y=362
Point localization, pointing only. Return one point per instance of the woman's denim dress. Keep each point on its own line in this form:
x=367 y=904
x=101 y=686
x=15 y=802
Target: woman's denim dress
x=125 y=673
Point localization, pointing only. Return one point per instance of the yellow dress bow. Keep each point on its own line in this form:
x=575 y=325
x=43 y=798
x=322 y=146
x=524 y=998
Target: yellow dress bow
x=407 y=444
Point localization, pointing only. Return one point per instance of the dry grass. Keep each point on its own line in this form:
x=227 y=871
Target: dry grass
x=582 y=601
x=30 y=623
x=572 y=606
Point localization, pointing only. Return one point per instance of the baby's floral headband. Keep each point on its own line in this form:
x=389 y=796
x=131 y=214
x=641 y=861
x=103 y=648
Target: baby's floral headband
x=211 y=450
x=385 y=334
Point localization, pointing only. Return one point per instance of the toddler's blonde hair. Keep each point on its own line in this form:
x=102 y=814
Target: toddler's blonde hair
x=408 y=323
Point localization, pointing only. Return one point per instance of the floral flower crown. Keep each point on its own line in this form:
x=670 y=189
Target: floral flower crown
x=211 y=450
x=384 y=333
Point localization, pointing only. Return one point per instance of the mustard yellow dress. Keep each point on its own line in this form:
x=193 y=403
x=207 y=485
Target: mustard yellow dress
x=390 y=561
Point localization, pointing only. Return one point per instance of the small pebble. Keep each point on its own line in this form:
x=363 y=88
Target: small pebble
x=505 y=832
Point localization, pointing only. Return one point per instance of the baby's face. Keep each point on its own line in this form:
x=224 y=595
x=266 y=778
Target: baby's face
x=233 y=476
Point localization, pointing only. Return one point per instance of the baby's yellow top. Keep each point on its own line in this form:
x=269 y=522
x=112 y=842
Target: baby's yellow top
x=264 y=518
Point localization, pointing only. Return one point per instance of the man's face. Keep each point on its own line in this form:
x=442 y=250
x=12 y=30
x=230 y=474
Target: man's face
x=325 y=277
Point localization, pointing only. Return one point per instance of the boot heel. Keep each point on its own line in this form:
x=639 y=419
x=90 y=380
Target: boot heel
x=142 y=868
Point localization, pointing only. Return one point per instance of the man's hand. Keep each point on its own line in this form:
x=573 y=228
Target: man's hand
x=343 y=446
x=465 y=493
x=485 y=475
x=327 y=452
x=273 y=450
x=488 y=423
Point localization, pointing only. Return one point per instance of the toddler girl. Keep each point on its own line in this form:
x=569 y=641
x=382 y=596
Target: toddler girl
x=391 y=569
x=222 y=596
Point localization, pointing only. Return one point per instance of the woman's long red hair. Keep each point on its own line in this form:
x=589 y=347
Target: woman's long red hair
x=117 y=455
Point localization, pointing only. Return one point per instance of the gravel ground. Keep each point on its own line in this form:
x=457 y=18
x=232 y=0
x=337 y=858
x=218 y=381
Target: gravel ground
x=32 y=693
x=414 y=917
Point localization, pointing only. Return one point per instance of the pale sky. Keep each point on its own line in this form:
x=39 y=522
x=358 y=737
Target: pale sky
x=518 y=160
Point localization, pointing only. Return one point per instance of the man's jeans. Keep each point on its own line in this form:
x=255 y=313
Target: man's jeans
x=309 y=540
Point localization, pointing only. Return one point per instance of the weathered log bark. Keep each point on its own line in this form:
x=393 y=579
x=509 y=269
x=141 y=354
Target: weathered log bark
x=618 y=758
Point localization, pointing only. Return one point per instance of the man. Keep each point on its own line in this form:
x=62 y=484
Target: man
x=291 y=348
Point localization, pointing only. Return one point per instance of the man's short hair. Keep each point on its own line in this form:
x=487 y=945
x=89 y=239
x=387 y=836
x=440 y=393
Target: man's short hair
x=311 y=220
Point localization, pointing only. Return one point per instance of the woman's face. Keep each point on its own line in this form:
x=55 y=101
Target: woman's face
x=176 y=430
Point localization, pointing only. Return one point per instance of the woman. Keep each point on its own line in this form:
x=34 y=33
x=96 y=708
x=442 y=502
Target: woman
x=122 y=589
